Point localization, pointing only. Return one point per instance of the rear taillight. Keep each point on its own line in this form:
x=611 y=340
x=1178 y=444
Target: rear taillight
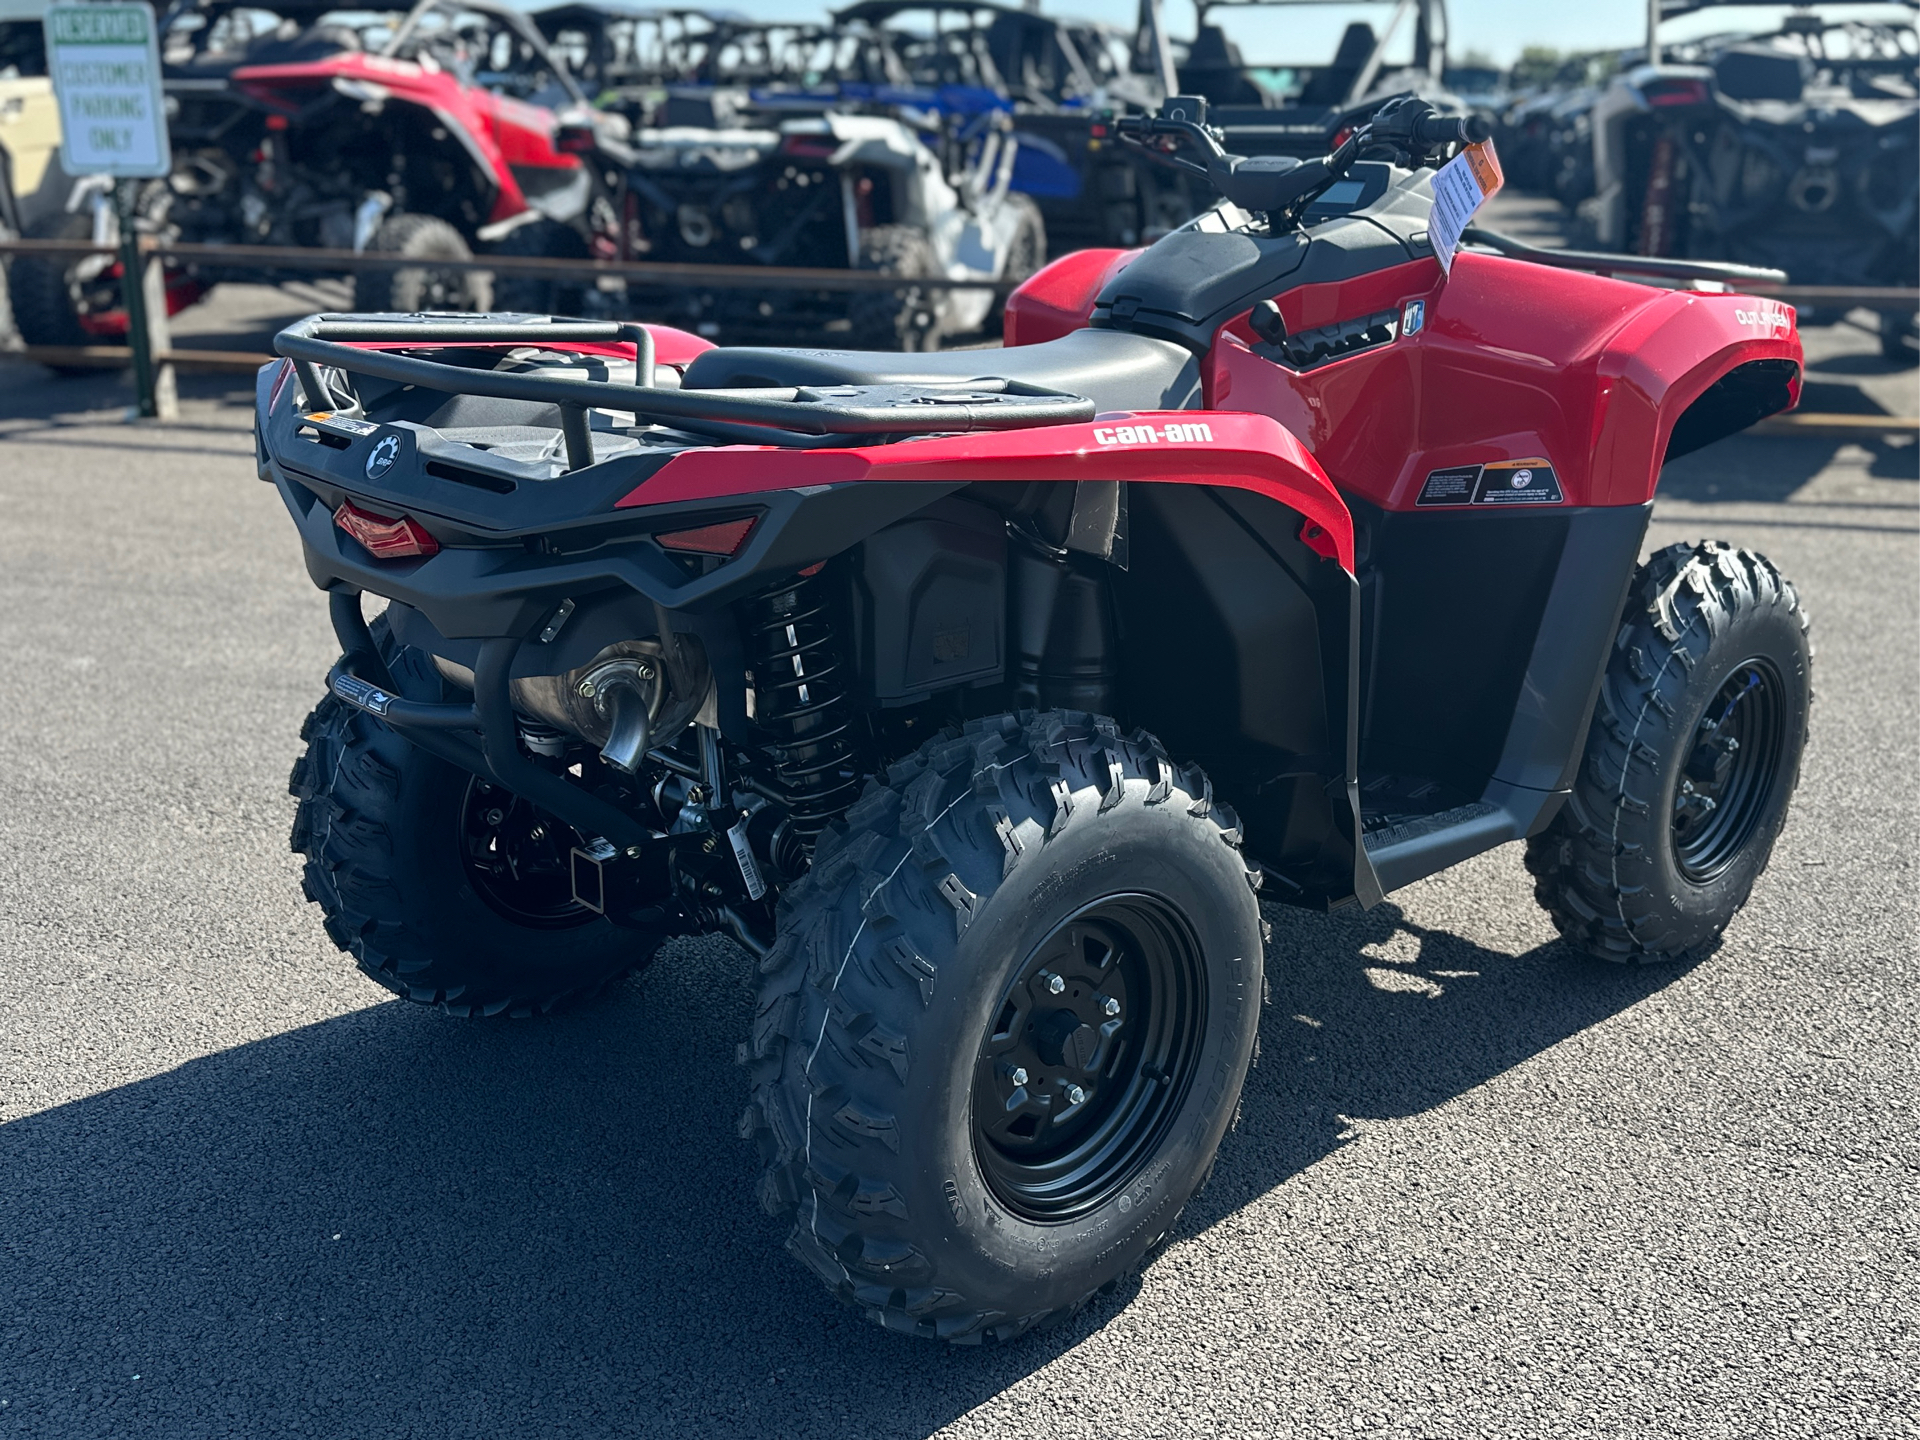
x=388 y=539
x=1678 y=92
x=724 y=538
x=809 y=147
x=279 y=385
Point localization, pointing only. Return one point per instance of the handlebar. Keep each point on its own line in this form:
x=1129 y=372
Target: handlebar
x=1452 y=129
x=1280 y=185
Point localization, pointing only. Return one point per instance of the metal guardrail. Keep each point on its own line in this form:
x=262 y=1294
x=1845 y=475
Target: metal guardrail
x=302 y=259
x=305 y=260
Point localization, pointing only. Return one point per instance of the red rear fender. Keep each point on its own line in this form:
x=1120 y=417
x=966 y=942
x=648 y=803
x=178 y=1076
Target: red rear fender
x=1179 y=447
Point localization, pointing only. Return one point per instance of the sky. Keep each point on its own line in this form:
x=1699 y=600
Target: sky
x=1498 y=28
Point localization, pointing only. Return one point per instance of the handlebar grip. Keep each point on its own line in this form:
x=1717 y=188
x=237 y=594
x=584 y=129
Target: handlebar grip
x=1448 y=129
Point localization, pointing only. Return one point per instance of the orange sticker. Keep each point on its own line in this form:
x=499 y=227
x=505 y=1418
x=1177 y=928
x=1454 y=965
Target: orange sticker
x=1486 y=168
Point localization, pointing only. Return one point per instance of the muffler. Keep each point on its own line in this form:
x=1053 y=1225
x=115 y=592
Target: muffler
x=628 y=699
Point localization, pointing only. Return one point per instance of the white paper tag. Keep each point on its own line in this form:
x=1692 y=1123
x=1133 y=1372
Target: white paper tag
x=1462 y=186
x=749 y=867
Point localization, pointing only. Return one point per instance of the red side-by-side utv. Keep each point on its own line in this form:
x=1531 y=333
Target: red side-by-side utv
x=982 y=696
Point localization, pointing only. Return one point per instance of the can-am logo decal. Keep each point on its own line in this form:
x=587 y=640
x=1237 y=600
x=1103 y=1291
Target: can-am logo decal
x=1502 y=482
x=1767 y=317
x=1194 y=433
x=383 y=456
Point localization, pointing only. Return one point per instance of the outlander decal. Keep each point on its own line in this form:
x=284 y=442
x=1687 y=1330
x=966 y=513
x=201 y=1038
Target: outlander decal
x=1770 y=315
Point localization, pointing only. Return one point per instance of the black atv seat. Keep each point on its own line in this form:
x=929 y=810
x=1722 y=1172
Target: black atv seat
x=1115 y=370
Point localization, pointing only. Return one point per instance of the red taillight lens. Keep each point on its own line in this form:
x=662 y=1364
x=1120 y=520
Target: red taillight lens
x=1679 y=92
x=812 y=147
x=725 y=538
x=388 y=539
x=279 y=385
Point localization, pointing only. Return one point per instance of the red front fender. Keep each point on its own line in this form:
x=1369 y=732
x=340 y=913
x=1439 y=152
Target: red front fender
x=1662 y=361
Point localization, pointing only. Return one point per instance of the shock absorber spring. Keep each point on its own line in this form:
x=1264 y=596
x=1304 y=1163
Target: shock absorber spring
x=800 y=699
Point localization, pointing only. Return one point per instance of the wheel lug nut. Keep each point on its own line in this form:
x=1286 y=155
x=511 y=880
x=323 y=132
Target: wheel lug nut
x=1075 y=1095
x=1055 y=984
x=1110 y=1007
x=1018 y=1075
x=494 y=817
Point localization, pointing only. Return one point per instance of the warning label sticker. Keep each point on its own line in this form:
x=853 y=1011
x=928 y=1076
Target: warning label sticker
x=1450 y=487
x=1518 y=482
x=1504 y=482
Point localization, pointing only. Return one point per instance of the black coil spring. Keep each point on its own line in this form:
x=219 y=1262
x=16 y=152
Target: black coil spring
x=800 y=699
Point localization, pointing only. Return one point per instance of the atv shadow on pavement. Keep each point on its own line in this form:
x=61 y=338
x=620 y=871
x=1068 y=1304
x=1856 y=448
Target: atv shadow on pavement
x=393 y=1223
x=1770 y=469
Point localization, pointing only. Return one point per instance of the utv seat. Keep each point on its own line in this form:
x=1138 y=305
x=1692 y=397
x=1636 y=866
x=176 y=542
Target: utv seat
x=1115 y=370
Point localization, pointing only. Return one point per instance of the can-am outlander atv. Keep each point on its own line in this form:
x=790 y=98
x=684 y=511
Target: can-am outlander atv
x=979 y=695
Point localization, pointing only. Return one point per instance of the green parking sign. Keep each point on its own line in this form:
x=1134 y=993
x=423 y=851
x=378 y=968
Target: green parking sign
x=105 y=65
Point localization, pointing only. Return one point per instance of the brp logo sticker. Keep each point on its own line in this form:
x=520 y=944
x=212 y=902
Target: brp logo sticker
x=383 y=456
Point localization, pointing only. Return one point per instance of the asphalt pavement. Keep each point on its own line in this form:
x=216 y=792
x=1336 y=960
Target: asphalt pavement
x=1479 y=1185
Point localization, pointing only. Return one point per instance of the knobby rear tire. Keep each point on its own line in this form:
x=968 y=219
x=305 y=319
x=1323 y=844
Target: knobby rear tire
x=892 y=960
x=380 y=824
x=426 y=238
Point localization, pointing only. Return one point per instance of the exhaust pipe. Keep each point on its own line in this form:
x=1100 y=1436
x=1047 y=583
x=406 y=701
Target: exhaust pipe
x=630 y=724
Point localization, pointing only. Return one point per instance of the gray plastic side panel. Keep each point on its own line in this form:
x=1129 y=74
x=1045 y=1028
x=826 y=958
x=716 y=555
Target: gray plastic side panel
x=1549 y=727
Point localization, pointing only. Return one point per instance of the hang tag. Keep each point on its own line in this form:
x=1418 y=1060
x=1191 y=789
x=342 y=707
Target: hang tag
x=1462 y=186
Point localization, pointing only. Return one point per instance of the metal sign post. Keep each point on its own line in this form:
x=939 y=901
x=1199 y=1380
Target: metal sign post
x=104 y=60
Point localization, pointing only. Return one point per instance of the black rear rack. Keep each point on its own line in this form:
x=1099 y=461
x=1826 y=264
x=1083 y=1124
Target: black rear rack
x=797 y=417
x=1604 y=264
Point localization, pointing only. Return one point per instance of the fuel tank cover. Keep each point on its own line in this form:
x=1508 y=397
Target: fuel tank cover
x=1192 y=275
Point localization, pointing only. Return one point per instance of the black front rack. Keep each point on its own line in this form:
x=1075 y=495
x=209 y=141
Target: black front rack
x=795 y=417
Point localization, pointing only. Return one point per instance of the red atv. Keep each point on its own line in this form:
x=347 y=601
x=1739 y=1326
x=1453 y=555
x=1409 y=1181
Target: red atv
x=981 y=695
x=426 y=136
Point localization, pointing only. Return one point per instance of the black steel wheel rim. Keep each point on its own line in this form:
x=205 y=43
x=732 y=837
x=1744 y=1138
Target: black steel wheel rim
x=1088 y=1057
x=1732 y=768
x=519 y=859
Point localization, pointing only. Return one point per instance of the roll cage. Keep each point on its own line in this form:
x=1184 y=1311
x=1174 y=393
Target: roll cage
x=1363 y=52
x=492 y=45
